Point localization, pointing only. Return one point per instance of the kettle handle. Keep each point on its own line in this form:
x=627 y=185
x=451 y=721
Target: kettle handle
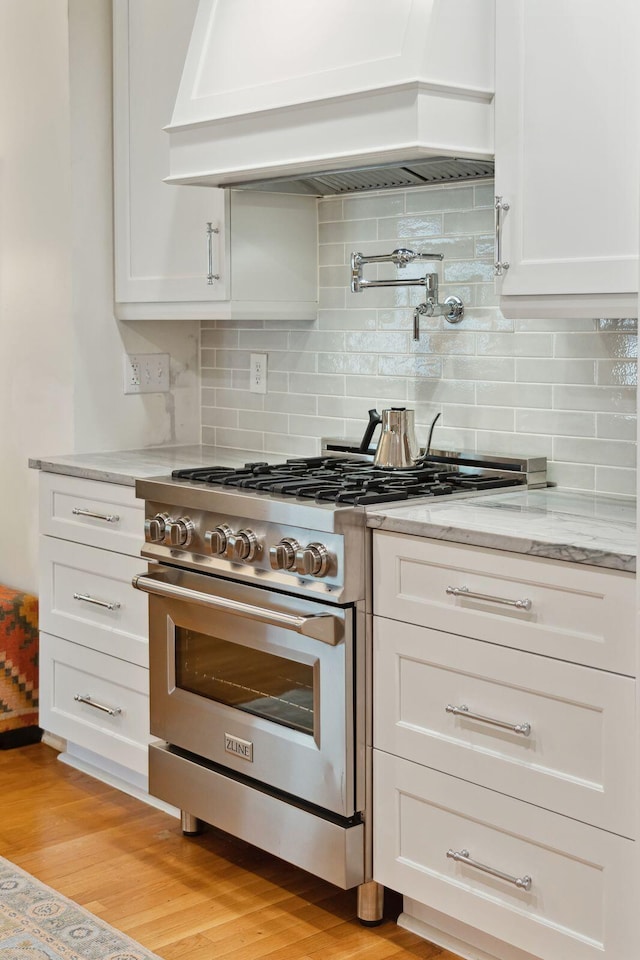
x=374 y=420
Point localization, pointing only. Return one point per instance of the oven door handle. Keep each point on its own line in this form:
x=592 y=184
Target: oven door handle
x=321 y=626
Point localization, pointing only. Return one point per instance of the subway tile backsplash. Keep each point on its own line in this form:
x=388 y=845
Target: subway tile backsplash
x=562 y=388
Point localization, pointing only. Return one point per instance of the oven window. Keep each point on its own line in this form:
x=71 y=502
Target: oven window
x=245 y=678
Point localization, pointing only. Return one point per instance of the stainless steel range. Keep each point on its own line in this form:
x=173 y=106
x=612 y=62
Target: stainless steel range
x=260 y=668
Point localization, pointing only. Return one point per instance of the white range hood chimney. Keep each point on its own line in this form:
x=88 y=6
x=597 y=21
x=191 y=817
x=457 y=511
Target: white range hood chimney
x=331 y=96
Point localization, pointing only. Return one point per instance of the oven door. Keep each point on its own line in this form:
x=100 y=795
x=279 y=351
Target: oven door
x=259 y=682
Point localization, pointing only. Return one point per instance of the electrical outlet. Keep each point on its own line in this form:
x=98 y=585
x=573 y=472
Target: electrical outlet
x=146 y=373
x=258 y=373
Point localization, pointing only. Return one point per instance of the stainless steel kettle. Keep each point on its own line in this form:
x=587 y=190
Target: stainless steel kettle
x=397 y=446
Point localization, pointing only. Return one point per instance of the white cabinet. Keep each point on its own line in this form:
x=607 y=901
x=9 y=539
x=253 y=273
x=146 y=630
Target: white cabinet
x=260 y=252
x=567 y=147
x=94 y=653
x=508 y=732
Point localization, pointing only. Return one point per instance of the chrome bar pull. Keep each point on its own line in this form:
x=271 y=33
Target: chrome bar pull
x=463 y=711
x=467 y=594
x=500 y=266
x=107 y=604
x=211 y=276
x=107 y=517
x=463 y=856
x=85 y=698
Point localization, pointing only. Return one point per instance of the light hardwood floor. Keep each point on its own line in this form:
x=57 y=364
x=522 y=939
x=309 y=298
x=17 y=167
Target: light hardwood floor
x=186 y=899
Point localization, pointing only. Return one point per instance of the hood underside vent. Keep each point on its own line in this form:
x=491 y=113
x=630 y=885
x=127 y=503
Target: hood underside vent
x=390 y=176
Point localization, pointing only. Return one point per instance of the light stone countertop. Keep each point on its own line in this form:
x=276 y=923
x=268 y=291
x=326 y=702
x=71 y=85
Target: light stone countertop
x=125 y=466
x=555 y=523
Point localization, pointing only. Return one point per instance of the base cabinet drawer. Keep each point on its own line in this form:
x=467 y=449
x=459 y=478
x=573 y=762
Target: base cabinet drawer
x=564 y=610
x=554 y=887
x=96 y=701
x=555 y=734
x=105 y=515
x=86 y=596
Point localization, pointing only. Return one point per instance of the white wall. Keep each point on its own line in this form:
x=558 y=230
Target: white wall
x=61 y=349
x=36 y=396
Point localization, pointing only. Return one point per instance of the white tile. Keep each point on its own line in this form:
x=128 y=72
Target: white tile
x=574 y=476
x=356 y=363
x=377 y=342
x=485 y=194
x=216 y=378
x=615 y=453
x=290 y=446
x=478 y=418
x=514 y=394
x=509 y=345
x=392 y=388
x=380 y=205
x=410 y=228
x=556 y=371
x=239 y=439
x=479 y=368
x=330 y=209
x=331 y=253
x=452 y=341
x=316 y=426
x=290 y=403
x=622 y=373
x=441 y=391
x=467 y=271
x=218 y=338
x=553 y=325
x=343 y=407
x=231 y=359
x=601 y=399
x=347 y=319
x=334 y=275
x=515 y=444
x=597 y=344
x=613 y=426
x=443 y=198
x=317 y=341
x=348 y=231
x=296 y=361
x=239 y=399
x=409 y=366
x=219 y=417
x=318 y=383
x=469 y=222
x=263 y=340
x=616 y=481
x=263 y=420
x=556 y=423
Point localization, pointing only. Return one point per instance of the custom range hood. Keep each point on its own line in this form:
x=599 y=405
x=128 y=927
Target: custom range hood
x=330 y=97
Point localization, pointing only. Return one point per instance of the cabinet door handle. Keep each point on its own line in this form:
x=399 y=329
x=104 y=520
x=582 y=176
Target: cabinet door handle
x=463 y=856
x=501 y=206
x=107 y=517
x=107 y=604
x=211 y=276
x=467 y=594
x=85 y=698
x=463 y=711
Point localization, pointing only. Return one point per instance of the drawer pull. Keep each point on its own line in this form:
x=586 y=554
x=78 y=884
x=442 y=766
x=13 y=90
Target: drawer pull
x=467 y=594
x=107 y=604
x=463 y=856
x=463 y=711
x=107 y=517
x=85 y=698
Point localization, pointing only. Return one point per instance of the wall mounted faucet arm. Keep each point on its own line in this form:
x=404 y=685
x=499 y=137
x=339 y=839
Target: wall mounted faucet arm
x=400 y=257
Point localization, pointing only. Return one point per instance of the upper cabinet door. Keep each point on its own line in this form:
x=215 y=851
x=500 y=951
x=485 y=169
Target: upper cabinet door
x=567 y=113
x=162 y=236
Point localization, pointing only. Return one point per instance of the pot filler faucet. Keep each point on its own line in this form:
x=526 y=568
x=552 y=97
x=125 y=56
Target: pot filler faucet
x=452 y=309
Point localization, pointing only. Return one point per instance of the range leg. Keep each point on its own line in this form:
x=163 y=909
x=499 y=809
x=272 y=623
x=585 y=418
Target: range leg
x=370 y=903
x=191 y=826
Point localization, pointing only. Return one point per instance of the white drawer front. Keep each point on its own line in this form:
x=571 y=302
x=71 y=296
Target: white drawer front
x=575 y=758
x=67 y=671
x=578 y=613
x=68 y=503
x=86 y=596
x=580 y=903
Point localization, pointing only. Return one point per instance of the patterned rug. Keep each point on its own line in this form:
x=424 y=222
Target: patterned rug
x=36 y=923
x=18 y=666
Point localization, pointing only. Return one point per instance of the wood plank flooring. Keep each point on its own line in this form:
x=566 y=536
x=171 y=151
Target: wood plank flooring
x=186 y=899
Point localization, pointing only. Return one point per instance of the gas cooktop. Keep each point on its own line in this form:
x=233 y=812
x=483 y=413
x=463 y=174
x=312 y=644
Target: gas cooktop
x=344 y=480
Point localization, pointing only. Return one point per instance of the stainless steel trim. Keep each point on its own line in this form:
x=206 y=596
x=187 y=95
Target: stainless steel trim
x=500 y=265
x=321 y=627
x=467 y=594
x=463 y=711
x=107 y=517
x=85 y=698
x=211 y=276
x=331 y=850
x=107 y=604
x=463 y=856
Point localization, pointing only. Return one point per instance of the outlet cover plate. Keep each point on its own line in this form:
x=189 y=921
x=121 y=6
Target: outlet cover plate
x=146 y=373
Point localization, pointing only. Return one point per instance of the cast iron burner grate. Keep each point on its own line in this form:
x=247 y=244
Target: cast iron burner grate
x=345 y=481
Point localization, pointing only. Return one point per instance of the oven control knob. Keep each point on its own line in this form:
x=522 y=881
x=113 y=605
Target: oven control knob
x=312 y=560
x=241 y=546
x=282 y=556
x=178 y=533
x=217 y=539
x=155 y=528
